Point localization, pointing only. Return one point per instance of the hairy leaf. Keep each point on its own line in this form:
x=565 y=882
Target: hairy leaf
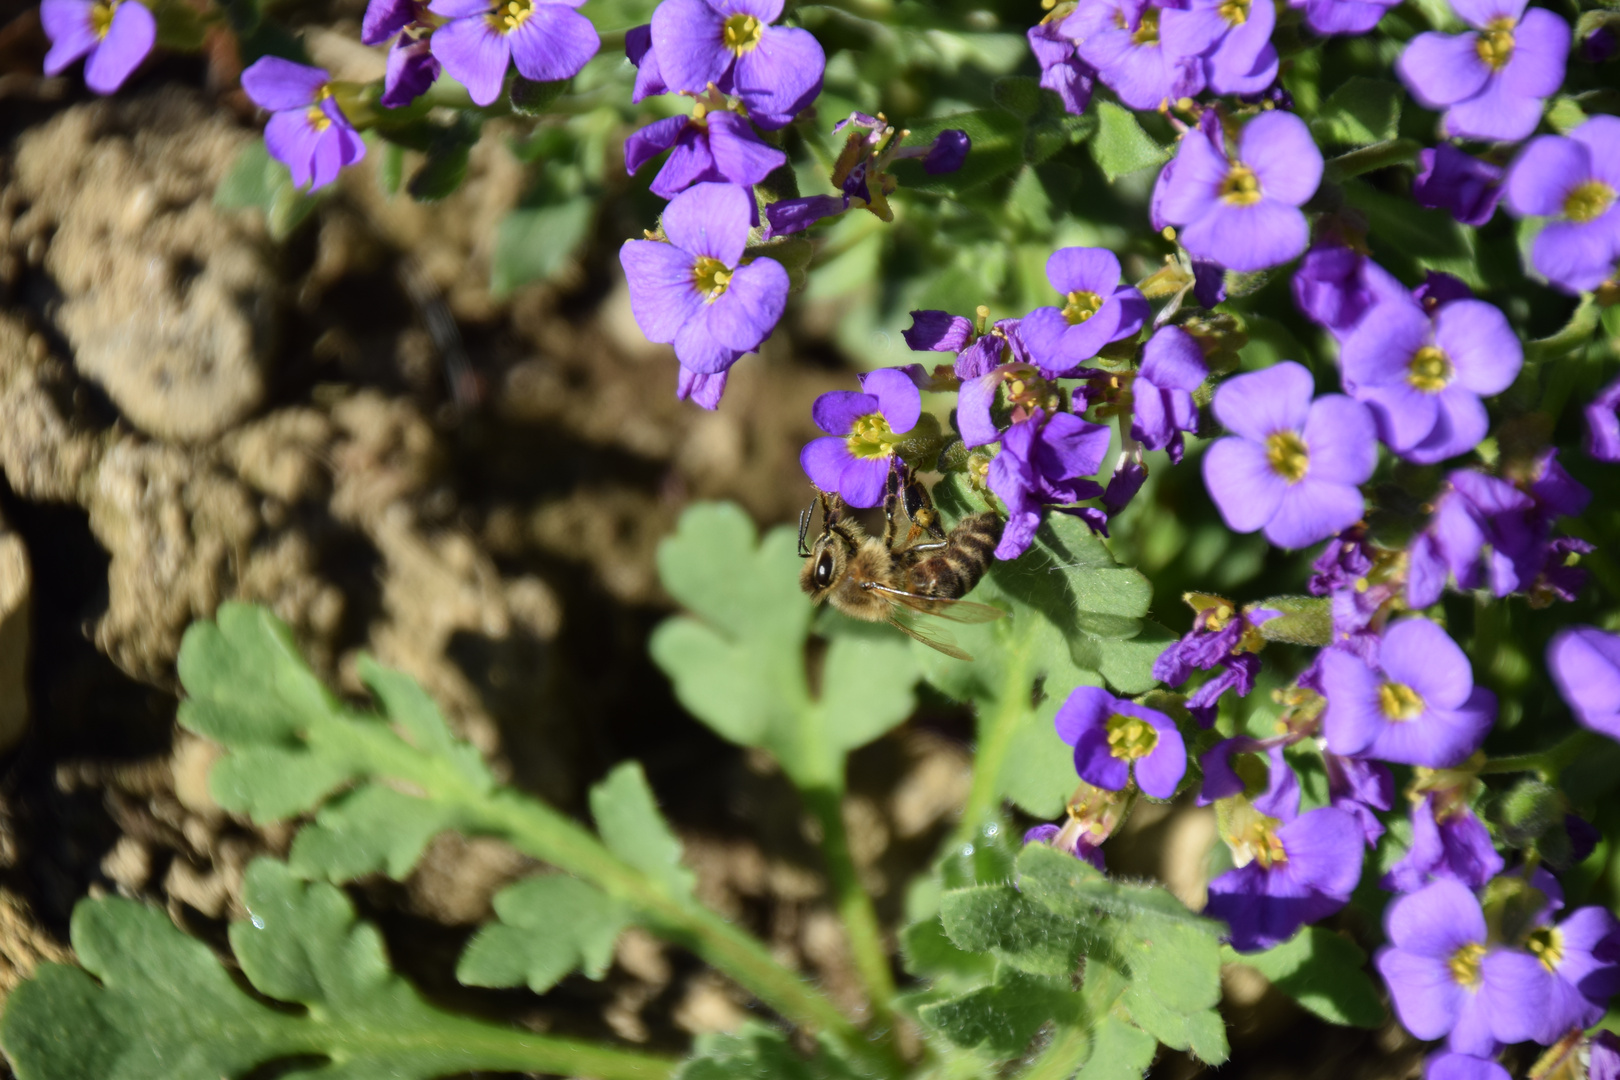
x=1360 y=112
x=1300 y=620
x=757 y=1053
x=631 y=826
x=1003 y=1017
x=1120 y=146
x=548 y=926
x=1119 y=1051
x=1323 y=971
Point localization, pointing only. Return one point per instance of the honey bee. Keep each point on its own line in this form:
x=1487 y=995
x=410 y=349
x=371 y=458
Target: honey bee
x=897 y=580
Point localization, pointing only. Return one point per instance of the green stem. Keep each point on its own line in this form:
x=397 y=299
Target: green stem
x=1583 y=323
x=1376 y=156
x=1549 y=762
x=499 y=1048
x=996 y=736
x=854 y=905
x=1062 y=1057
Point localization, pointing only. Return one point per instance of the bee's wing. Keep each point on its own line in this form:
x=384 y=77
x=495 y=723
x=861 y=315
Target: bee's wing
x=935 y=637
x=962 y=611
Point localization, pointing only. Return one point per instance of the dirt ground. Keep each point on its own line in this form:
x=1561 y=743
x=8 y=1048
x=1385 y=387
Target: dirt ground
x=350 y=429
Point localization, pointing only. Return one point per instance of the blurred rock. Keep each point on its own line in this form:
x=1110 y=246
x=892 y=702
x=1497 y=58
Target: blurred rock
x=16 y=614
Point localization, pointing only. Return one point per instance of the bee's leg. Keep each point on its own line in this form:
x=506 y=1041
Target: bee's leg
x=893 y=484
x=919 y=507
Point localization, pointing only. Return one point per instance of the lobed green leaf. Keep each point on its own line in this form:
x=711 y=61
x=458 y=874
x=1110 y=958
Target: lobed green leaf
x=1323 y=971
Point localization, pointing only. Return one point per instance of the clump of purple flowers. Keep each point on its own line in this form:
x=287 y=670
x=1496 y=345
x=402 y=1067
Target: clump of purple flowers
x=307 y=131
x=862 y=429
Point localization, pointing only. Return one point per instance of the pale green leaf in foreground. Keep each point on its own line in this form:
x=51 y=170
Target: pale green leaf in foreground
x=628 y=820
x=547 y=927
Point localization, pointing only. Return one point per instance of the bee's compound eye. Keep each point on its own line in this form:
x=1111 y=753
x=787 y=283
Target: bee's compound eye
x=824 y=570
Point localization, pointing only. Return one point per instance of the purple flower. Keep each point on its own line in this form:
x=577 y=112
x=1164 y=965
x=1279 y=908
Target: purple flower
x=1452 y=1066
x=1603 y=424
x=696 y=292
x=1445 y=979
x=1578 y=953
x=855 y=456
x=1448 y=841
x=1600 y=45
x=1120 y=39
x=1244 y=212
x=1293 y=465
x=1044 y=461
x=1070 y=839
x=1291 y=870
x=1458 y=183
x=411 y=65
x=547 y=39
x=307 y=131
x=1129 y=476
x=1604 y=1061
x=1232 y=38
x=1328 y=17
x=1491 y=82
x=1573 y=182
x=1585 y=663
x=115 y=34
x=1097 y=310
x=1336 y=285
x=1358 y=788
x=1473 y=512
x=711 y=145
x=1062 y=70
x=1417 y=705
x=638 y=50
x=788 y=216
x=1423 y=377
x=1221 y=637
x=946 y=153
x=1115 y=739
x=1342 y=564
x=702 y=390
x=938 y=331
x=1172 y=368
x=775 y=70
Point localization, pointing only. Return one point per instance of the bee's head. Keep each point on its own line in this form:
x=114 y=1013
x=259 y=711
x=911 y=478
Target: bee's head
x=825 y=564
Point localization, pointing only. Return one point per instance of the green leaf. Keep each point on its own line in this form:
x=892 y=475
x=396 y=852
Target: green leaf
x=1017 y=929
x=1360 y=112
x=1120 y=1051
x=1300 y=620
x=259 y=182
x=1424 y=239
x=373 y=829
x=447 y=157
x=1004 y=1017
x=1120 y=146
x=738 y=662
x=758 y=1052
x=530 y=98
x=929 y=951
x=548 y=926
x=1323 y=971
x=153 y=1004
x=997 y=150
x=533 y=244
x=631 y=826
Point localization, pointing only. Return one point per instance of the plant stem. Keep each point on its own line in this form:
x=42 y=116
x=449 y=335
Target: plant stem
x=1549 y=762
x=854 y=905
x=1368 y=158
x=1062 y=1056
x=523 y=1051
x=1583 y=323
x=996 y=736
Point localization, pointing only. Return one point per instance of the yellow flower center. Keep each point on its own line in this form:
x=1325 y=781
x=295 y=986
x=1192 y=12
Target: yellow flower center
x=1464 y=964
x=742 y=33
x=1399 y=701
x=1147 y=31
x=509 y=16
x=1495 y=42
x=1241 y=187
x=101 y=17
x=1235 y=12
x=711 y=276
x=1287 y=455
x=871 y=438
x=317 y=117
x=1547 y=945
x=1588 y=201
x=1129 y=738
x=1081 y=306
x=1253 y=838
x=1429 y=371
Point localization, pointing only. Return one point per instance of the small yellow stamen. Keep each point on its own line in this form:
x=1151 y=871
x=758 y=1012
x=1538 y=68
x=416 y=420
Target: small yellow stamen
x=1080 y=306
x=1547 y=945
x=1252 y=836
x=1398 y=701
x=1147 y=30
x=1287 y=455
x=1129 y=738
x=741 y=33
x=1235 y=12
x=1241 y=187
x=317 y=118
x=1588 y=201
x=870 y=437
x=1429 y=370
x=101 y=17
x=1495 y=42
x=711 y=276
x=510 y=15
x=1464 y=964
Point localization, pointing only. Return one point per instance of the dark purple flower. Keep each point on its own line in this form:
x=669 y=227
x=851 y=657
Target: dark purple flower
x=1458 y=183
x=1221 y=637
x=994 y=358
x=1604 y=1056
x=788 y=216
x=1209 y=282
x=1600 y=45
x=1584 y=969
x=1232 y=38
x=938 y=331
x=1453 y=1066
x=411 y=64
x=854 y=457
x=547 y=39
x=1115 y=740
x=1438 y=288
x=1359 y=788
x=1293 y=465
x=1062 y=70
x=116 y=35
x=1328 y=17
x=1244 y=212
x=1491 y=81
x=1096 y=310
x=638 y=50
x=946 y=153
x=1473 y=513
x=1336 y=285
x=1044 y=461
x=1128 y=478
x=703 y=390
x=1172 y=368
x=1448 y=841
x=1585 y=663
x=1445 y=979
x=1572 y=181
x=1417 y=705
x=710 y=146
x=1290 y=870
x=695 y=291
x=1347 y=559
x=1237 y=673
x=1120 y=39
x=775 y=70
x=1070 y=839
x=1423 y=377
x=307 y=131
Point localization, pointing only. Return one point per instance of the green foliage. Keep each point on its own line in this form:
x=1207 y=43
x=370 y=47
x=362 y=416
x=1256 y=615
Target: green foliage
x=547 y=927
x=1003 y=1016
x=1360 y=112
x=259 y=182
x=1300 y=620
x=153 y=1003
x=445 y=166
x=1121 y=147
x=997 y=138
x=634 y=830
x=1324 y=972
x=758 y=1052
x=532 y=244
x=738 y=661
x=530 y=98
